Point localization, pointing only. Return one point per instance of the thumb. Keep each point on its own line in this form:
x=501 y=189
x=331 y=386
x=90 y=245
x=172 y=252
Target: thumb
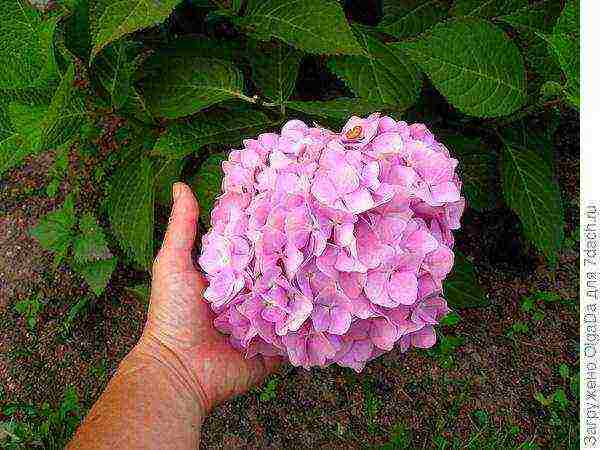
x=175 y=254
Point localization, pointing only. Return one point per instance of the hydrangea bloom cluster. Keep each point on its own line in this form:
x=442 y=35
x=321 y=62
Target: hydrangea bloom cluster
x=332 y=247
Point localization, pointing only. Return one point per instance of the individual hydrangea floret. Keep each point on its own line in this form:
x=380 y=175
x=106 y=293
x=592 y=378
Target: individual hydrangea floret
x=333 y=247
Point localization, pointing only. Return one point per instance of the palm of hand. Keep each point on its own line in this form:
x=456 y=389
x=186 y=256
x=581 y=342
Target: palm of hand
x=179 y=328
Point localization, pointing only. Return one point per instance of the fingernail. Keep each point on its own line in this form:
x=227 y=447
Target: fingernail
x=176 y=191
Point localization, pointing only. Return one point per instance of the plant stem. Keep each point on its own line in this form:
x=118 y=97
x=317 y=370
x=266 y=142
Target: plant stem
x=257 y=100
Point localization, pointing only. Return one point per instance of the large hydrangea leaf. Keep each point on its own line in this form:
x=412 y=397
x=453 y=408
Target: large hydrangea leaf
x=565 y=50
x=131 y=209
x=385 y=76
x=115 y=19
x=275 y=69
x=26 y=53
x=528 y=21
x=228 y=128
x=410 y=18
x=485 y=8
x=181 y=86
x=115 y=68
x=473 y=64
x=19 y=133
x=568 y=21
x=207 y=184
x=532 y=192
x=66 y=114
x=315 y=26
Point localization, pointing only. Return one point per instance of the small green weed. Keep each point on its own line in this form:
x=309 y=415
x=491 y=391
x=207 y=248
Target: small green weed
x=269 y=392
x=44 y=427
x=486 y=437
x=372 y=404
x=30 y=309
x=517 y=328
x=74 y=312
x=400 y=438
x=444 y=351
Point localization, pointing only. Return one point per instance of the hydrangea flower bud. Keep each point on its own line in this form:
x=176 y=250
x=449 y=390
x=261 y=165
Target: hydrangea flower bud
x=333 y=247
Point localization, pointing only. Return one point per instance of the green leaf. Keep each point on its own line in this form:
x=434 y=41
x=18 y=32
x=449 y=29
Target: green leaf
x=566 y=52
x=97 y=273
x=228 y=128
x=169 y=173
x=410 y=18
x=340 y=108
x=532 y=193
x=528 y=22
x=551 y=89
x=568 y=21
x=30 y=309
x=66 y=114
x=25 y=119
x=476 y=164
x=115 y=19
x=183 y=86
x=76 y=310
x=537 y=17
x=207 y=184
x=21 y=137
x=142 y=291
x=315 y=26
x=26 y=53
x=560 y=397
x=563 y=370
x=474 y=65
x=539 y=140
x=131 y=209
x=115 y=68
x=54 y=231
x=485 y=8
x=77 y=29
x=90 y=245
x=461 y=288
x=275 y=69
x=385 y=76
x=197 y=45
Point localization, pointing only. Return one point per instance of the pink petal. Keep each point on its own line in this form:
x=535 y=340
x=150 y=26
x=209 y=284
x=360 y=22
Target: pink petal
x=340 y=321
x=424 y=338
x=319 y=349
x=383 y=334
x=320 y=318
x=326 y=262
x=324 y=190
x=293 y=260
x=352 y=283
x=359 y=201
x=445 y=192
x=386 y=144
x=376 y=287
x=361 y=307
x=402 y=287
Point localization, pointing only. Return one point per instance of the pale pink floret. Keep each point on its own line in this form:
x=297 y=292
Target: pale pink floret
x=333 y=248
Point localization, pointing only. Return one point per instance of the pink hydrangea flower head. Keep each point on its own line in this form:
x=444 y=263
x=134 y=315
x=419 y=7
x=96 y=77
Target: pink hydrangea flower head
x=332 y=248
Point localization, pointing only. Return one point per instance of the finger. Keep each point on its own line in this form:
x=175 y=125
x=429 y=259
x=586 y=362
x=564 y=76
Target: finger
x=176 y=251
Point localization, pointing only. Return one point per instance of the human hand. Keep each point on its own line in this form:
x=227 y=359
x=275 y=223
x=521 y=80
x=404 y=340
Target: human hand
x=179 y=331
